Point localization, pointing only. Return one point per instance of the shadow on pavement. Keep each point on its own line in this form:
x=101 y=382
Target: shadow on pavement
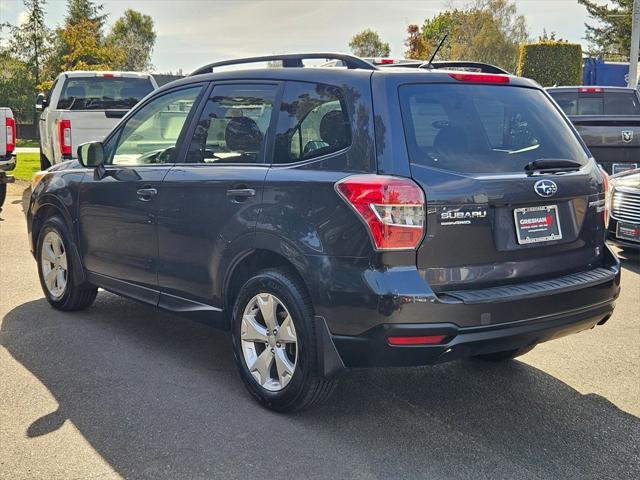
x=158 y=397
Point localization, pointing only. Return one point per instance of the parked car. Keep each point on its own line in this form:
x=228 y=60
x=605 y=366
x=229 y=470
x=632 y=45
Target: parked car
x=7 y=147
x=608 y=120
x=83 y=107
x=464 y=218
x=624 y=223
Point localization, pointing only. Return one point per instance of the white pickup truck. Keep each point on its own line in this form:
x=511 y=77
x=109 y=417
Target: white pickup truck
x=84 y=107
x=7 y=148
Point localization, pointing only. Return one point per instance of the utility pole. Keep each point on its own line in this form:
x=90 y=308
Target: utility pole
x=635 y=45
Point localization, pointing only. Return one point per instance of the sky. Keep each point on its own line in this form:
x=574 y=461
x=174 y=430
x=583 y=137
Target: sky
x=191 y=33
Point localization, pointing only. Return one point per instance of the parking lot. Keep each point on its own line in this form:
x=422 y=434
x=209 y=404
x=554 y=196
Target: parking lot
x=124 y=391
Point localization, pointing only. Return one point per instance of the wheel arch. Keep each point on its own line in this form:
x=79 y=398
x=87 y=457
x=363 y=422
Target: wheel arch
x=248 y=263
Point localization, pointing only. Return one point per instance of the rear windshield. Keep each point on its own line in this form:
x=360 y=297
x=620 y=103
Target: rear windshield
x=103 y=93
x=484 y=128
x=607 y=103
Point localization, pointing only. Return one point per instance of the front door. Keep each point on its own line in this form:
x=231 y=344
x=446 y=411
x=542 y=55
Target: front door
x=211 y=200
x=118 y=211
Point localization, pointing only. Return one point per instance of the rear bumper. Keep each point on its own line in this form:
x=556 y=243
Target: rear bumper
x=7 y=163
x=399 y=302
x=372 y=350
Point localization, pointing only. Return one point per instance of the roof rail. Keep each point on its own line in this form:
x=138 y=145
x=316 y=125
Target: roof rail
x=290 y=60
x=483 y=67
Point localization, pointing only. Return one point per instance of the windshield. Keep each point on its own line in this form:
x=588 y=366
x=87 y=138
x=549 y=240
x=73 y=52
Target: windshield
x=484 y=128
x=103 y=93
x=599 y=103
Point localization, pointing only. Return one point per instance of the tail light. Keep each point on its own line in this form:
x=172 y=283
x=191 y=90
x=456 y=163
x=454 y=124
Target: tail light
x=393 y=208
x=65 y=137
x=607 y=195
x=480 y=77
x=11 y=135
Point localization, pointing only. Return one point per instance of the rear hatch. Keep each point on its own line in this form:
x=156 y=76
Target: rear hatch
x=608 y=121
x=511 y=193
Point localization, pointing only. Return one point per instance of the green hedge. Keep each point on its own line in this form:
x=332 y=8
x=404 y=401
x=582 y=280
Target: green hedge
x=551 y=63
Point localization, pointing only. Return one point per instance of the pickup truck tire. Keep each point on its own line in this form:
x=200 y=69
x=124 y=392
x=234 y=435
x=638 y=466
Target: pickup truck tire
x=285 y=365
x=3 y=193
x=56 y=269
x=505 y=355
x=44 y=162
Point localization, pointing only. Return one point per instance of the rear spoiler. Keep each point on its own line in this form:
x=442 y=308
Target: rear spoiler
x=451 y=65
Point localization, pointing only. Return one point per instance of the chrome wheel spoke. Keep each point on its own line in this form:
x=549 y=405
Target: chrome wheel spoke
x=283 y=366
x=287 y=331
x=61 y=278
x=48 y=253
x=50 y=279
x=63 y=262
x=252 y=331
x=262 y=366
x=268 y=307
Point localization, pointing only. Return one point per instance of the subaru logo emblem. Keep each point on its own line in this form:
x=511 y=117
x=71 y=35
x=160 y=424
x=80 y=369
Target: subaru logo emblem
x=545 y=188
x=627 y=135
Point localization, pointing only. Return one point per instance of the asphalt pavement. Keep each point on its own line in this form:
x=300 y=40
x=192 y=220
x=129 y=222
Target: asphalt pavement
x=122 y=390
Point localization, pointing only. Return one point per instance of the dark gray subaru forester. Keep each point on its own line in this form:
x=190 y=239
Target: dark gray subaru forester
x=337 y=217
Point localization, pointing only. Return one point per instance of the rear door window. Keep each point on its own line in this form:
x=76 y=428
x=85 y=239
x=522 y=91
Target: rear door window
x=103 y=93
x=483 y=128
x=234 y=125
x=313 y=121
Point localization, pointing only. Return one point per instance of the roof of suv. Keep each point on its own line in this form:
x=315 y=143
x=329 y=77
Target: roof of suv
x=330 y=75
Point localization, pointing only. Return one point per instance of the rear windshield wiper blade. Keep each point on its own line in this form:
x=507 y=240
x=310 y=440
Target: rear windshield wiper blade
x=552 y=165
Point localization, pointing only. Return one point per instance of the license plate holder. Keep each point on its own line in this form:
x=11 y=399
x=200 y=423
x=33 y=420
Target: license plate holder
x=628 y=231
x=622 y=167
x=537 y=224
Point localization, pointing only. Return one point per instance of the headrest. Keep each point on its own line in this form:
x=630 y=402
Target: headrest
x=243 y=135
x=333 y=128
x=77 y=92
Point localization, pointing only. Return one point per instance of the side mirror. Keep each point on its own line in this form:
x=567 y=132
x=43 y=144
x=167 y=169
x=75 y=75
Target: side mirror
x=91 y=155
x=41 y=102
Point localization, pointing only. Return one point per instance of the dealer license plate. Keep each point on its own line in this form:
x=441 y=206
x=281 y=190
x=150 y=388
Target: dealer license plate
x=537 y=224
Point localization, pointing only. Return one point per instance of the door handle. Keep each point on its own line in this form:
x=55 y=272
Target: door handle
x=240 y=194
x=146 y=194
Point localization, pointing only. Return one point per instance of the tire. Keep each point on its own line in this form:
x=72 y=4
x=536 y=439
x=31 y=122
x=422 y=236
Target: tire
x=303 y=388
x=504 y=355
x=44 y=162
x=64 y=294
x=3 y=194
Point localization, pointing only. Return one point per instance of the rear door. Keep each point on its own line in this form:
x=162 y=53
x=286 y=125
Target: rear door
x=211 y=200
x=489 y=222
x=118 y=212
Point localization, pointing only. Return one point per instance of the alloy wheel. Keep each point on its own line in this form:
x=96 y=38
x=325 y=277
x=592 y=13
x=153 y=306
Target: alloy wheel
x=269 y=342
x=53 y=259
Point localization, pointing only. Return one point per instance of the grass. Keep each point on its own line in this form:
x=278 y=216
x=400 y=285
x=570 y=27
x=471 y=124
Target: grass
x=28 y=143
x=26 y=166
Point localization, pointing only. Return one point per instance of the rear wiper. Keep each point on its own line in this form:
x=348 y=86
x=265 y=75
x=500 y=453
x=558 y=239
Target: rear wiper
x=552 y=165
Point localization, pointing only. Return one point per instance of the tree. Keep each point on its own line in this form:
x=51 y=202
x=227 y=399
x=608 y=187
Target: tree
x=81 y=10
x=610 y=37
x=27 y=47
x=134 y=36
x=85 y=50
x=368 y=43
x=488 y=31
x=83 y=19
x=416 y=45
